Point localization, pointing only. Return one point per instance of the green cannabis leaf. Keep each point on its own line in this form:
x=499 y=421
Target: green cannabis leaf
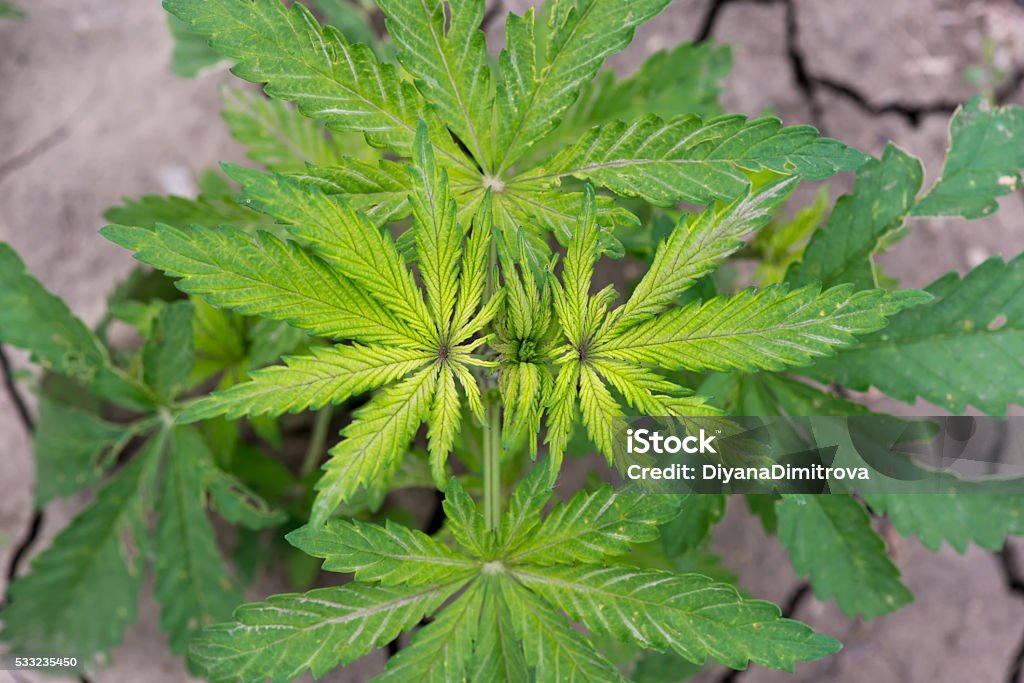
x=508 y=590
x=96 y=564
x=356 y=286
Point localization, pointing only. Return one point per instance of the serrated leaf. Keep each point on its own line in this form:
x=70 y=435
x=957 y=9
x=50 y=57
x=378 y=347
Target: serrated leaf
x=464 y=520
x=599 y=410
x=885 y=192
x=689 y=613
x=687 y=159
x=692 y=526
x=274 y=134
x=695 y=247
x=94 y=566
x=830 y=538
x=73 y=449
x=592 y=526
x=380 y=190
x=985 y=157
x=770 y=328
x=355 y=247
x=264 y=276
x=328 y=78
x=555 y=651
x=391 y=554
x=34 y=319
x=192 y=54
x=961 y=349
x=440 y=44
x=540 y=79
x=962 y=516
x=181 y=212
x=688 y=78
x=168 y=354
x=316 y=631
x=327 y=375
x=192 y=584
x=441 y=651
x=498 y=654
x=237 y=503
x=444 y=419
x=573 y=296
x=438 y=236
x=374 y=441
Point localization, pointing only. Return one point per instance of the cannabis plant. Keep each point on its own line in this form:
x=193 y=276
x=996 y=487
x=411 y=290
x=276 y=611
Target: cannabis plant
x=447 y=270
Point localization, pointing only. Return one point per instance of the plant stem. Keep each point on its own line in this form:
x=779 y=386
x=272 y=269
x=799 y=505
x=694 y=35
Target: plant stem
x=317 y=441
x=492 y=466
x=492 y=436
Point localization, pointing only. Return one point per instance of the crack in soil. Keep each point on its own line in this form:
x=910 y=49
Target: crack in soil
x=25 y=417
x=40 y=147
x=810 y=85
x=36 y=524
x=1013 y=573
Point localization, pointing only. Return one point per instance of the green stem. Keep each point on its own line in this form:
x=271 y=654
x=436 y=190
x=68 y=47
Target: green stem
x=492 y=436
x=317 y=441
x=492 y=466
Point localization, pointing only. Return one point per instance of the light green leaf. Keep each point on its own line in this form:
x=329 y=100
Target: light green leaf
x=375 y=441
x=685 y=158
x=181 y=212
x=573 y=296
x=440 y=44
x=192 y=585
x=687 y=612
x=464 y=520
x=316 y=631
x=355 y=247
x=561 y=411
x=885 y=192
x=695 y=247
x=264 y=276
x=380 y=190
x=168 y=353
x=438 y=237
x=770 y=328
x=391 y=554
x=328 y=375
x=94 y=566
x=274 y=134
x=540 y=79
x=599 y=409
x=985 y=156
x=445 y=416
x=830 y=538
x=961 y=349
x=315 y=67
